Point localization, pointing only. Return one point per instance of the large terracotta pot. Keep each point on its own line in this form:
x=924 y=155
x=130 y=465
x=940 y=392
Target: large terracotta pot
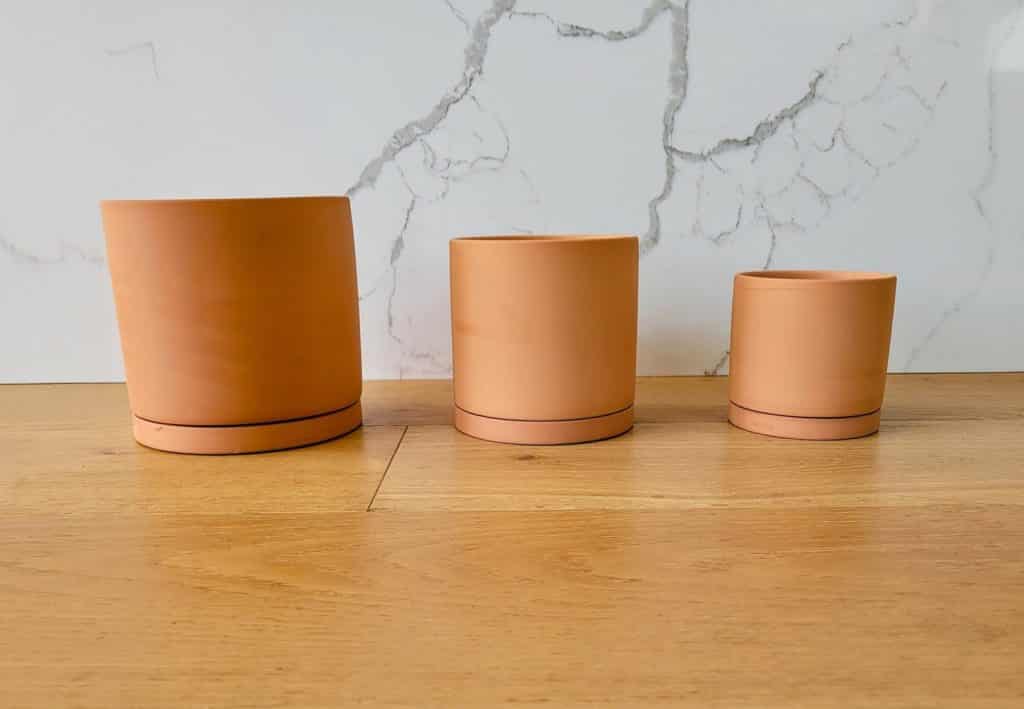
x=239 y=320
x=544 y=337
x=809 y=352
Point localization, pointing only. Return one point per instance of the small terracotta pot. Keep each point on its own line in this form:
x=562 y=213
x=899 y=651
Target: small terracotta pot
x=809 y=352
x=239 y=320
x=544 y=337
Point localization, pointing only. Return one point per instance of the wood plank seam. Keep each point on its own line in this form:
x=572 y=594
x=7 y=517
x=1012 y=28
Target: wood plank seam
x=401 y=437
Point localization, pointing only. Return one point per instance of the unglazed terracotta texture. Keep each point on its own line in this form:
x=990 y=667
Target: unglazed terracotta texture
x=544 y=336
x=809 y=352
x=239 y=320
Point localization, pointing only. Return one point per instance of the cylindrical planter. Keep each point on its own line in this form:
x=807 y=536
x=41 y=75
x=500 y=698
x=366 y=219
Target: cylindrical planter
x=809 y=352
x=239 y=320
x=544 y=337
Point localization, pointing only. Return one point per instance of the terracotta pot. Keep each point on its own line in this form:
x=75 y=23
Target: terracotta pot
x=809 y=352
x=544 y=337
x=239 y=320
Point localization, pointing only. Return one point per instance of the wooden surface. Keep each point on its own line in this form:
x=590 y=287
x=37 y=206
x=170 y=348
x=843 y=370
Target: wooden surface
x=686 y=563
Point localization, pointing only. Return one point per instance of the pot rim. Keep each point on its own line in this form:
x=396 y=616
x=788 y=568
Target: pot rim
x=220 y=200
x=809 y=278
x=542 y=238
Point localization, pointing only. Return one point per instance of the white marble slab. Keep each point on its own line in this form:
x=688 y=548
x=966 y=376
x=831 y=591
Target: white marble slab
x=729 y=135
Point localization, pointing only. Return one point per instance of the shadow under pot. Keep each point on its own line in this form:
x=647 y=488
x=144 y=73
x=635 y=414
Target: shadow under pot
x=809 y=352
x=239 y=321
x=544 y=337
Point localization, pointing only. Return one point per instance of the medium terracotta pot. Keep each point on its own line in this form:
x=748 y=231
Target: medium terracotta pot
x=239 y=320
x=544 y=337
x=809 y=352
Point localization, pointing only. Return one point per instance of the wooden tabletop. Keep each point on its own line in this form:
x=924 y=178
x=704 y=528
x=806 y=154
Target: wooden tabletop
x=686 y=563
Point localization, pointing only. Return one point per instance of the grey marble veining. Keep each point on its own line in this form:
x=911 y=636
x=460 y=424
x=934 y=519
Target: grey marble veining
x=728 y=136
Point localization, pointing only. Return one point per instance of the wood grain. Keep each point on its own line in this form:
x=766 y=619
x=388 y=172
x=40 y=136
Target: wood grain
x=69 y=450
x=408 y=402
x=685 y=564
x=823 y=607
x=684 y=399
x=689 y=465
x=104 y=471
x=658 y=400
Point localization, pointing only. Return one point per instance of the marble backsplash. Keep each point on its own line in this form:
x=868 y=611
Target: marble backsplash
x=727 y=134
